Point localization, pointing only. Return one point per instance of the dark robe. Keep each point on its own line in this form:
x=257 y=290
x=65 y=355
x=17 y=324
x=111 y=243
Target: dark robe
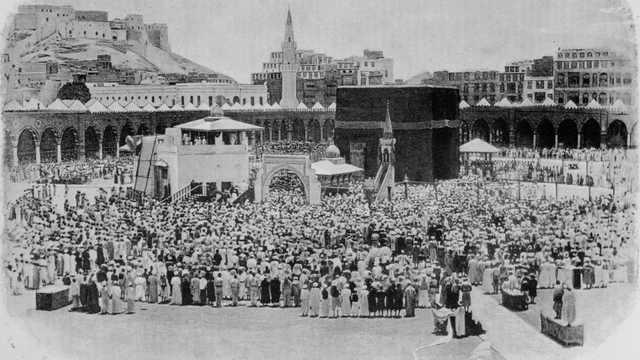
x=211 y=291
x=373 y=299
x=265 y=295
x=84 y=294
x=186 y=291
x=391 y=298
x=100 y=259
x=93 y=306
x=275 y=290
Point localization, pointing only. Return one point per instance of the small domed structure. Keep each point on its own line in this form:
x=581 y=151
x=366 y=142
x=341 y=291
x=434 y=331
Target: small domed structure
x=216 y=111
x=332 y=152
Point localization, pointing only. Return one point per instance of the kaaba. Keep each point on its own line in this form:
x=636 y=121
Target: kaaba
x=52 y=297
x=425 y=125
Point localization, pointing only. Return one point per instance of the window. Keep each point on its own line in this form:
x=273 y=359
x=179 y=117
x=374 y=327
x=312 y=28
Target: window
x=244 y=101
x=574 y=55
x=574 y=64
x=210 y=101
x=84 y=32
x=191 y=99
x=181 y=100
x=603 y=64
x=585 y=98
x=261 y=100
x=153 y=99
x=559 y=65
x=550 y=84
x=252 y=101
x=465 y=88
x=595 y=64
x=588 y=64
x=566 y=65
x=560 y=79
x=588 y=54
x=594 y=80
x=539 y=84
x=539 y=97
x=530 y=96
x=373 y=64
x=560 y=56
x=386 y=73
x=529 y=82
x=585 y=79
x=581 y=54
x=574 y=79
x=560 y=98
x=198 y=100
x=492 y=87
x=602 y=99
x=604 y=80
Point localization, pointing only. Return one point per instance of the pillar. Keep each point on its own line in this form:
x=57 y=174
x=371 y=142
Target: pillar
x=490 y=137
x=81 y=151
x=603 y=140
x=289 y=128
x=628 y=140
x=59 y=152
x=15 y=153
x=556 y=143
x=100 y=149
x=535 y=138
x=306 y=131
x=37 y=152
x=579 y=140
x=321 y=132
x=280 y=132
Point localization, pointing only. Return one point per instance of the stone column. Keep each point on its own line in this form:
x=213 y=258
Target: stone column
x=490 y=137
x=37 y=152
x=280 y=132
x=579 y=140
x=118 y=144
x=306 y=131
x=535 y=138
x=15 y=153
x=289 y=128
x=59 y=152
x=556 y=143
x=100 y=149
x=603 y=140
x=321 y=132
x=628 y=140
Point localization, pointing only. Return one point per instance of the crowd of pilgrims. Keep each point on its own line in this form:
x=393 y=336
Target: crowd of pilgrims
x=73 y=171
x=315 y=150
x=340 y=258
x=588 y=154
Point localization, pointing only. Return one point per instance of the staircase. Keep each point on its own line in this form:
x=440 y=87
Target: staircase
x=182 y=194
x=247 y=195
x=385 y=179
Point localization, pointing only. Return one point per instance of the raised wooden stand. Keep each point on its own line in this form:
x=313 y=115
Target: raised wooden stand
x=52 y=298
x=561 y=332
x=514 y=300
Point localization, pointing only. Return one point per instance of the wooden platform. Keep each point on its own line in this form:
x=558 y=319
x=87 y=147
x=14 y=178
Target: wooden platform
x=514 y=300
x=561 y=332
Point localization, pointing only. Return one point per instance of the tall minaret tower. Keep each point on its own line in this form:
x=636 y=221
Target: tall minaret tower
x=289 y=68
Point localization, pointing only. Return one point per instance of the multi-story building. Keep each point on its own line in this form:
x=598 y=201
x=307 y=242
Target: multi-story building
x=474 y=85
x=512 y=79
x=538 y=80
x=582 y=75
x=318 y=75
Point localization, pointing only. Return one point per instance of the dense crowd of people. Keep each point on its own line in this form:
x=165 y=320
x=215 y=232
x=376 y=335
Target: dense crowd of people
x=588 y=154
x=340 y=258
x=74 y=172
x=315 y=150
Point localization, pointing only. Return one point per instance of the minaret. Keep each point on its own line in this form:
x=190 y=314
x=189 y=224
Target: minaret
x=387 y=157
x=289 y=68
x=387 y=143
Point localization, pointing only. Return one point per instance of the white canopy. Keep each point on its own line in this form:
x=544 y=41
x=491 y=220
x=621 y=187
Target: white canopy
x=90 y=102
x=326 y=167
x=478 y=146
x=13 y=105
x=190 y=106
x=504 y=103
x=236 y=106
x=163 y=107
x=97 y=107
x=57 y=104
x=302 y=106
x=218 y=123
x=526 y=102
x=33 y=104
x=225 y=106
x=619 y=105
x=149 y=108
x=204 y=106
x=132 y=107
x=594 y=105
x=276 y=106
x=116 y=107
x=141 y=102
x=317 y=106
x=176 y=107
x=570 y=105
x=77 y=105
x=549 y=102
x=107 y=102
x=483 y=102
x=463 y=105
x=258 y=107
x=332 y=106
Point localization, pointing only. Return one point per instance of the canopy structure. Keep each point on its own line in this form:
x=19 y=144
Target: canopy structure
x=163 y=107
x=548 y=102
x=149 y=108
x=463 y=105
x=13 y=105
x=276 y=106
x=594 y=105
x=570 y=105
x=332 y=106
x=57 y=104
x=317 y=107
x=526 y=102
x=478 y=146
x=132 y=107
x=327 y=168
x=97 y=106
x=226 y=106
x=483 y=102
x=218 y=124
x=619 y=105
x=116 y=107
x=302 y=107
x=504 y=103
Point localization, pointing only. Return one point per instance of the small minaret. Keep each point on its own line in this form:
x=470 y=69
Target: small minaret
x=388 y=142
x=289 y=67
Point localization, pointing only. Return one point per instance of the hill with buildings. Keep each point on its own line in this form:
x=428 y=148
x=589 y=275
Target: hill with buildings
x=50 y=45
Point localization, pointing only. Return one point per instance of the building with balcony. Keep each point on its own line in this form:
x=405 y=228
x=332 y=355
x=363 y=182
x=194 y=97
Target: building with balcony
x=582 y=75
x=474 y=85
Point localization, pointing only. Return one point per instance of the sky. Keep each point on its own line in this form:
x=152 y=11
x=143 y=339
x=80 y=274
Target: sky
x=236 y=37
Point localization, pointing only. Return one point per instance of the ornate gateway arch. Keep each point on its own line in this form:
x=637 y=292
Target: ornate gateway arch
x=298 y=164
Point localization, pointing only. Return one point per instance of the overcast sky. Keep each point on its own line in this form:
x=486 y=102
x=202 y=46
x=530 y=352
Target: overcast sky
x=236 y=37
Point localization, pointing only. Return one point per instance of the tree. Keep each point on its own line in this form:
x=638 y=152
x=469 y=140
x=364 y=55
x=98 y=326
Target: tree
x=75 y=91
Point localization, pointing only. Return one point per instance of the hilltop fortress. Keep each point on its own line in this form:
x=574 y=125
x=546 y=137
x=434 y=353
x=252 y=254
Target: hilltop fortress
x=47 y=20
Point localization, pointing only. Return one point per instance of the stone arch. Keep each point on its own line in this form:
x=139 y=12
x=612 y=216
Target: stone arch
x=127 y=130
x=591 y=134
x=480 y=130
x=546 y=134
x=313 y=130
x=568 y=133
x=27 y=145
x=49 y=145
x=160 y=128
x=617 y=134
x=500 y=132
x=298 y=165
x=109 y=141
x=328 y=129
x=69 y=144
x=524 y=134
x=236 y=99
x=143 y=129
x=297 y=130
x=91 y=143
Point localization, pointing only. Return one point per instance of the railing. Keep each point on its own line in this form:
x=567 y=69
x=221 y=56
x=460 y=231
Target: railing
x=383 y=188
x=181 y=194
x=247 y=195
